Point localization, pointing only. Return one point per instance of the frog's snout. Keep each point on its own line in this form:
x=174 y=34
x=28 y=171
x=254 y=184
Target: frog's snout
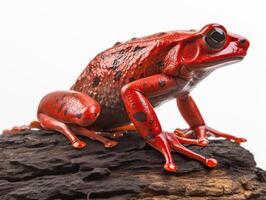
x=243 y=43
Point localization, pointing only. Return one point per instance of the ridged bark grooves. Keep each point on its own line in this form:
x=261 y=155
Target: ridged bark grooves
x=43 y=165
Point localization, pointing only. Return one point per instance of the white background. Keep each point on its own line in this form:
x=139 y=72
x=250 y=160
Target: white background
x=44 y=46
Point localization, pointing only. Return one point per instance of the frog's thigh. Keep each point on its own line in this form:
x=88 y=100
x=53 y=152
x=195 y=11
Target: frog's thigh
x=70 y=107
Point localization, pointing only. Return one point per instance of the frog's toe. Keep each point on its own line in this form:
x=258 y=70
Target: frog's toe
x=185 y=133
x=203 y=142
x=117 y=135
x=200 y=142
x=240 y=140
x=211 y=162
x=79 y=144
x=170 y=167
x=110 y=144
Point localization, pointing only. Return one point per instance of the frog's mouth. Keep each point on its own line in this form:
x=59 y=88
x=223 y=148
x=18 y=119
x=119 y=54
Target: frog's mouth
x=221 y=63
x=212 y=65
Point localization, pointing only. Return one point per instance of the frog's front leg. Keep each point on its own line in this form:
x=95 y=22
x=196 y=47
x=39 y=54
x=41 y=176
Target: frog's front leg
x=191 y=114
x=141 y=113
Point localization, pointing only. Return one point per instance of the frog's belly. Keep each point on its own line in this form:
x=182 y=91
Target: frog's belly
x=114 y=116
x=117 y=115
x=113 y=112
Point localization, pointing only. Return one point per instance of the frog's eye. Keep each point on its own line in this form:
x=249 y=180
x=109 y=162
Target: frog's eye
x=215 y=38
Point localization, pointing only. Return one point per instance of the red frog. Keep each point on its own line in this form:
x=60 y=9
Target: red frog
x=122 y=85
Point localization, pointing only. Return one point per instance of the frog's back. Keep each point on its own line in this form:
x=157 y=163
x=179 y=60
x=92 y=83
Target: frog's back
x=125 y=62
x=128 y=61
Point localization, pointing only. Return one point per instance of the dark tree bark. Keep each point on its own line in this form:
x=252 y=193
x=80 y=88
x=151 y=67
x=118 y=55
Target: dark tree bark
x=42 y=165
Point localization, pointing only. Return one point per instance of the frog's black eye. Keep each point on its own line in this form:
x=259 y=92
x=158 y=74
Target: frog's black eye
x=215 y=38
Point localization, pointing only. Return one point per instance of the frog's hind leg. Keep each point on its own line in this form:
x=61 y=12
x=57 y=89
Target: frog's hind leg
x=70 y=112
x=117 y=132
x=50 y=123
x=127 y=127
x=94 y=136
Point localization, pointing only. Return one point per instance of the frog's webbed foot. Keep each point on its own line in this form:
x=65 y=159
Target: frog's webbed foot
x=199 y=135
x=167 y=142
x=17 y=129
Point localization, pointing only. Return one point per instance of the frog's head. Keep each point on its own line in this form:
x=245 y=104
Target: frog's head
x=211 y=47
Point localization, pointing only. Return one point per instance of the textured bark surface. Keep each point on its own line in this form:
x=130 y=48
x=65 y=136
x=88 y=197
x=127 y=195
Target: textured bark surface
x=42 y=165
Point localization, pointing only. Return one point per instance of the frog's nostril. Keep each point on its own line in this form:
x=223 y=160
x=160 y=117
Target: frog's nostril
x=242 y=41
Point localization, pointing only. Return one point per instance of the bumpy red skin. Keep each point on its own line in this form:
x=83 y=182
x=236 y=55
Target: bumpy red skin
x=125 y=82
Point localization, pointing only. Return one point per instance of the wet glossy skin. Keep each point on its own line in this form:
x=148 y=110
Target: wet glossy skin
x=123 y=84
x=137 y=58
